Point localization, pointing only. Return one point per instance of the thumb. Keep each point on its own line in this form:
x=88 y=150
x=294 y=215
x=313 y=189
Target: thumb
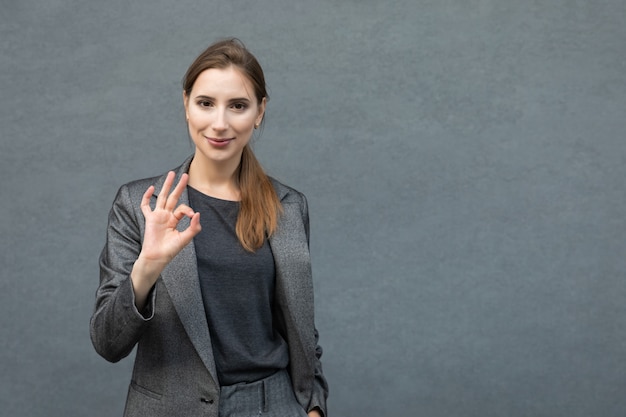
x=193 y=229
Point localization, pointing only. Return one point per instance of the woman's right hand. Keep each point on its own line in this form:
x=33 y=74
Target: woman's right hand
x=162 y=241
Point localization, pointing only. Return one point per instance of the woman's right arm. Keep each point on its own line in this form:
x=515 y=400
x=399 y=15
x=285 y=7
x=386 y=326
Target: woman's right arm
x=131 y=264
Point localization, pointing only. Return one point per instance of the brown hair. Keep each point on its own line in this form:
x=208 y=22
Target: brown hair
x=259 y=207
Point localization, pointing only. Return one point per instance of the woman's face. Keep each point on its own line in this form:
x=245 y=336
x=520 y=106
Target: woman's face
x=222 y=111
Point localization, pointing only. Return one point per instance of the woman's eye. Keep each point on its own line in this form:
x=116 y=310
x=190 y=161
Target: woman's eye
x=240 y=106
x=204 y=103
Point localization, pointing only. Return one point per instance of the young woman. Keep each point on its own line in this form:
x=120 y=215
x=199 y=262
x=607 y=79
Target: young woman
x=206 y=269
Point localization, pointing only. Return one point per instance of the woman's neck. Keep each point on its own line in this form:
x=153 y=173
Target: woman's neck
x=214 y=180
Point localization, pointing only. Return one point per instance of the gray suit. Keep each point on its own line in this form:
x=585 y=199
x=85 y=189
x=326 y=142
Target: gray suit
x=174 y=372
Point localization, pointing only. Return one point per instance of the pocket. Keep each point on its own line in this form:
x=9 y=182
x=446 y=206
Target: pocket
x=145 y=391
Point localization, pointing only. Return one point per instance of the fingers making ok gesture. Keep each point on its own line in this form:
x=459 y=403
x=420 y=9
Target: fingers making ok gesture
x=162 y=240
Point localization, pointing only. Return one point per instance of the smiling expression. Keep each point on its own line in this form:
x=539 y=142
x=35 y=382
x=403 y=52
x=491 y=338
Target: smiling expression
x=222 y=111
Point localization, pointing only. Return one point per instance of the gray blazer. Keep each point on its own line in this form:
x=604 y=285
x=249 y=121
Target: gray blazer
x=174 y=372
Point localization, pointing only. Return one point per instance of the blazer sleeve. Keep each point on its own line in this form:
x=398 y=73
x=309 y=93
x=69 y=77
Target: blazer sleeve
x=116 y=325
x=320 y=385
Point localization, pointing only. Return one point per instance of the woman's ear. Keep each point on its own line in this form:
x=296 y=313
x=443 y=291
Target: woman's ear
x=186 y=104
x=259 y=118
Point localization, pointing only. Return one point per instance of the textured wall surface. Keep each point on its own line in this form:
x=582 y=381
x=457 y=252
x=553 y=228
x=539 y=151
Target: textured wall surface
x=464 y=162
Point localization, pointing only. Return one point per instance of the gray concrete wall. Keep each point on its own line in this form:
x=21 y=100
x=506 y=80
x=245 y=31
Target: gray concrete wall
x=464 y=162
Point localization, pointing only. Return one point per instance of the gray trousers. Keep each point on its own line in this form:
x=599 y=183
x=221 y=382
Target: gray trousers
x=269 y=397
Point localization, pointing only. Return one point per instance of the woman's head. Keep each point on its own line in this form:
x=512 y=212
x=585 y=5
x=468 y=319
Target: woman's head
x=224 y=99
x=224 y=54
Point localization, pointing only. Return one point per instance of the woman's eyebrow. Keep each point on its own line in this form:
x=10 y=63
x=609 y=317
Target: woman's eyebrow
x=203 y=97
x=239 y=99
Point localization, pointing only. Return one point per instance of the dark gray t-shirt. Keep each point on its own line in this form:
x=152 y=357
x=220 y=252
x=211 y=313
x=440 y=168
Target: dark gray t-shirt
x=238 y=293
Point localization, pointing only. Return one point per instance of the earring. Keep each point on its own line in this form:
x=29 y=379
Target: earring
x=256 y=125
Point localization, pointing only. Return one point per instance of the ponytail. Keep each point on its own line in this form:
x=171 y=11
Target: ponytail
x=259 y=206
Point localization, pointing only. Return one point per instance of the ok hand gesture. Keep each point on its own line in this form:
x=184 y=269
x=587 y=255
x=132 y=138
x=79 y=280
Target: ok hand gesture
x=162 y=241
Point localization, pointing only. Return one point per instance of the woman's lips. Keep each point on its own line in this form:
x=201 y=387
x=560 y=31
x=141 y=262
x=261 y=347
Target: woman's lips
x=219 y=142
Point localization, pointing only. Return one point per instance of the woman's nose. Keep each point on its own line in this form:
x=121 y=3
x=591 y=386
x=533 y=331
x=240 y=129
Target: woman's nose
x=220 y=122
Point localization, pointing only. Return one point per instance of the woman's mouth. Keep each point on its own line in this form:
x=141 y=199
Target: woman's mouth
x=219 y=142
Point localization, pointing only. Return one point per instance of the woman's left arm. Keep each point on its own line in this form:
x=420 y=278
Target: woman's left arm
x=320 y=385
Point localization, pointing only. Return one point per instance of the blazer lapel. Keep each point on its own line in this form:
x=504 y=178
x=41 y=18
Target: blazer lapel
x=181 y=280
x=293 y=278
